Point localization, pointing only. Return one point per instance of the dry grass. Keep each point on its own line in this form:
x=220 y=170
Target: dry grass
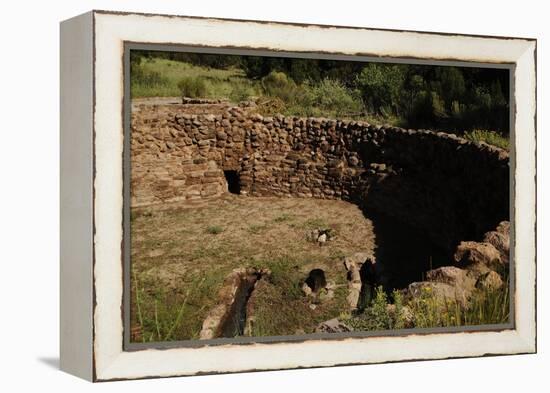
x=218 y=83
x=176 y=247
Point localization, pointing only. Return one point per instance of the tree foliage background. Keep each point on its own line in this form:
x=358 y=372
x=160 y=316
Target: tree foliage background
x=456 y=99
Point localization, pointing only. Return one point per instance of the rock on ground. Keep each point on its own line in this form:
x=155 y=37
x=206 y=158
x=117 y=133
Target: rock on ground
x=491 y=281
x=441 y=291
x=333 y=326
x=452 y=275
x=474 y=253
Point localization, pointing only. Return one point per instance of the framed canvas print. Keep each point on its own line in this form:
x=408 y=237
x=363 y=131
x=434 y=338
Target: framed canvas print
x=244 y=195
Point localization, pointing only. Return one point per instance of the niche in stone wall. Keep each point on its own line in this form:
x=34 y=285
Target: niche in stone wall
x=233 y=182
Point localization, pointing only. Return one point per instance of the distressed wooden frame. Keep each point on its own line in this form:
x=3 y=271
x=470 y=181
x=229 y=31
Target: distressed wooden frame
x=92 y=194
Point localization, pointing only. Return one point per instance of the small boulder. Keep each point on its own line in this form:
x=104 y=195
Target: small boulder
x=357 y=259
x=504 y=227
x=490 y=281
x=440 y=291
x=501 y=241
x=312 y=235
x=257 y=117
x=452 y=275
x=474 y=253
x=320 y=235
x=353 y=161
x=333 y=326
x=378 y=167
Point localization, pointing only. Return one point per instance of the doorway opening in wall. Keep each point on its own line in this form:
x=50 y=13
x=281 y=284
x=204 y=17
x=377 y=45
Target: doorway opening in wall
x=233 y=183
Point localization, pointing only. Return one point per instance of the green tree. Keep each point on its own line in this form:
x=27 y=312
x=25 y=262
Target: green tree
x=451 y=83
x=333 y=97
x=381 y=86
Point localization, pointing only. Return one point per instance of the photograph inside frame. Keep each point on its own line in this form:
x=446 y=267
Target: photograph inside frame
x=280 y=196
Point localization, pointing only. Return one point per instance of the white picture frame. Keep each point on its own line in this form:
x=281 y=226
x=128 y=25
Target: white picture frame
x=92 y=194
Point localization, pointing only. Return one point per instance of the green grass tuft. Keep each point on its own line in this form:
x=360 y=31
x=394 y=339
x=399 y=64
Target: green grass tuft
x=256 y=229
x=214 y=229
x=283 y=218
x=490 y=137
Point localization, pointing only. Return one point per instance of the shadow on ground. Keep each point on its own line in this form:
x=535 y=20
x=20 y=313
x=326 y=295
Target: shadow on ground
x=52 y=362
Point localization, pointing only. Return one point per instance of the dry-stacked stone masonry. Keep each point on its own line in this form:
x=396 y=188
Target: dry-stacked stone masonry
x=428 y=187
x=452 y=188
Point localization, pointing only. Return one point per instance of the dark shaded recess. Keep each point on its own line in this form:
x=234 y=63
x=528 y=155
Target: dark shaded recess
x=418 y=222
x=316 y=280
x=428 y=203
x=452 y=199
x=404 y=254
x=234 y=325
x=233 y=182
x=368 y=284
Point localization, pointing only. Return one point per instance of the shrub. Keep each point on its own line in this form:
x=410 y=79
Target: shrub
x=333 y=97
x=378 y=312
x=381 y=314
x=277 y=84
x=328 y=98
x=193 y=87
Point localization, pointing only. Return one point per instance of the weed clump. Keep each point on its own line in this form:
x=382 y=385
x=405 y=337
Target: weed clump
x=380 y=314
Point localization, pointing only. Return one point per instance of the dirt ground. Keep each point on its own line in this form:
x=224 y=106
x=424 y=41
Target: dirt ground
x=176 y=103
x=181 y=254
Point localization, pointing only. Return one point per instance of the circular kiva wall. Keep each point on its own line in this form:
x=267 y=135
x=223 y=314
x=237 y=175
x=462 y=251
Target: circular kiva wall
x=450 y=188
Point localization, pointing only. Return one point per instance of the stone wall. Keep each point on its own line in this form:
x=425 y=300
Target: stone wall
x=455 y=188
x=171 y=157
